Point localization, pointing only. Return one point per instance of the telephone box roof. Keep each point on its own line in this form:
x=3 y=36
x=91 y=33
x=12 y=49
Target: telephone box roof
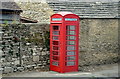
x=64 y=13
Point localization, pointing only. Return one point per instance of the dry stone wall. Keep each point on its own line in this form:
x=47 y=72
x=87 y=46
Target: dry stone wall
x=23 y=47
x=36 y=10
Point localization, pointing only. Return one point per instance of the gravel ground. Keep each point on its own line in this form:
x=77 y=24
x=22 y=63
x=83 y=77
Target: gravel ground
x=109 y=70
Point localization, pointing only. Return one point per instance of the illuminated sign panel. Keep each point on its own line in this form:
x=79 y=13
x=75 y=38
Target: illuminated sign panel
x=56 y=19
x=70 y=19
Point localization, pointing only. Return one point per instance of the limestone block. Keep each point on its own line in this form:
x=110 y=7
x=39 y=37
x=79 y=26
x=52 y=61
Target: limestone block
x=0 y=38
x=34 y=53
x=9 y=59
x=40 y=48
x=20 y=68
x=35 y=58
x=14 y=59
x=37 y=67
x=28 y=66
x=43 y=53
x=33 y=65
x=47 y=52
x=16 y=62
x=1 y=52
x=7 y=64
x=39 y=64
x=8 y=70
x=1 y=71
x=44 y=63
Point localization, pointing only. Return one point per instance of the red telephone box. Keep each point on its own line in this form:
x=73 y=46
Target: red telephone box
x=64 y=37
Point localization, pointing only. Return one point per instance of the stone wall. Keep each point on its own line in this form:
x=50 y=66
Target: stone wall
x=98 y=45
x=24 y=47
x=100 y=32
x=98 y=41
x=36 y=10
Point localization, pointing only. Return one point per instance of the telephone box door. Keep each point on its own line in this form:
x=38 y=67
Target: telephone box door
x=55 y=47
x=71 y=63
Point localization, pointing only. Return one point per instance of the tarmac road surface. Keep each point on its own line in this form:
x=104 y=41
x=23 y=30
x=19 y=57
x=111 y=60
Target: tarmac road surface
x=107 y=71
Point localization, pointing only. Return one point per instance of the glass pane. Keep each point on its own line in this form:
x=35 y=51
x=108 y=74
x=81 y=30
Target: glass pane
x=70 y=42
x=56 y=19
x=70 y=53
x=55 y=27
x=55 y=37
x=55 y=48
x=55 y=58
x=70 y=19
x=55 y=32
x=71 y=27
x=70 y=37
x=70 y=47
x=55 y=63
x=71 y=58
x=55 y=52
x=70 y=32
x=71 y=63
x=55 y=43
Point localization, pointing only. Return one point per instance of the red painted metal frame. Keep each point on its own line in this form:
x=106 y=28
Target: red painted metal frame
x=62 y=68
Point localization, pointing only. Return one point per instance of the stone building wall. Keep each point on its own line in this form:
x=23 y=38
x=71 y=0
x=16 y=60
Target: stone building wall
x=98 y=45
x=100 y=32
x=98 y=41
